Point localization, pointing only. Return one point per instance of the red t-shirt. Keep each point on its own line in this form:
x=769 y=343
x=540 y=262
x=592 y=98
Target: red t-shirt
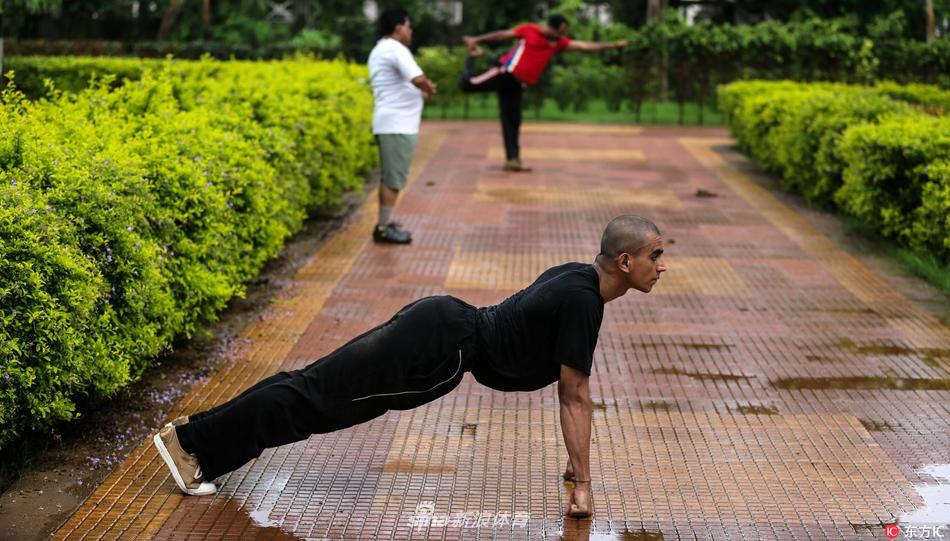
x=532 y=53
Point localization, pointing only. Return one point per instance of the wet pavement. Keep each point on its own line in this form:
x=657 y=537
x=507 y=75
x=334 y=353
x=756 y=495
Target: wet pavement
x=773 y=386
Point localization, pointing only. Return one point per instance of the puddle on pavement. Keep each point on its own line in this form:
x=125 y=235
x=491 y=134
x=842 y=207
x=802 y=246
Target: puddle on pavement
x=929 y=356
x=658 y=406
x=706 y=347
x=469 y=429
x=585 y=530
x=936 y=509
x=687 y=345
x=407 y=466
x=876 y=426
x=863 y=383
x=866 y=527
x=750 y=409
x=702 y=375
x=859 y=311
x=261 y=518
x=256 y=524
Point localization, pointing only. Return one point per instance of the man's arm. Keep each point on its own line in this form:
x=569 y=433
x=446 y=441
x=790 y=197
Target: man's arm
x=425 y=85
x=573 y=390
x=499 y=35
x=593 y=47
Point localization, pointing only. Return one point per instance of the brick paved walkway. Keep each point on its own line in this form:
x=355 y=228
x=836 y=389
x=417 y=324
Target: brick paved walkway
x=772 y=386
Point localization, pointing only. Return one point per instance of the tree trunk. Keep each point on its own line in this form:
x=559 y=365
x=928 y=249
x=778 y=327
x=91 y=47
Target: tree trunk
x=168 y=19
x=702 y=103
x=930 y=21
x=655 y=9
x=206 y=17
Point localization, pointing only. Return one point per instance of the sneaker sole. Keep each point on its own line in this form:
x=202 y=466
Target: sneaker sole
x=388 y=241
x=205 y=489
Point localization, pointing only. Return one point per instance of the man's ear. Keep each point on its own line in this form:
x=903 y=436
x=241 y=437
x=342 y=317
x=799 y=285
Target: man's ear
x=624 y=261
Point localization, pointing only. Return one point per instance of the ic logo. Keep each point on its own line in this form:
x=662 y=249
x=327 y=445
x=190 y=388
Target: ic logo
x=891 y=531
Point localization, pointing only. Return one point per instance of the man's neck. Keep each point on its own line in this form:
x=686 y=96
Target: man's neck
x=609 y=285
x=394 y=38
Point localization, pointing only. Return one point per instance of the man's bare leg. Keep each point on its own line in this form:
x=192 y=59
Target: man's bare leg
x=387 y=197
x=387 y=230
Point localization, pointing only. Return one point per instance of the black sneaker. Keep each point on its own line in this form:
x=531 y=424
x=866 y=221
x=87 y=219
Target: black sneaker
x=392 y=234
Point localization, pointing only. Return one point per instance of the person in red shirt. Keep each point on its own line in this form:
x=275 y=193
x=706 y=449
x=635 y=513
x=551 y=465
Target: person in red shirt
x=522 y=65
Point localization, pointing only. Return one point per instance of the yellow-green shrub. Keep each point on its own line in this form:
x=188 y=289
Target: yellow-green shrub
x=928 y=96
x=805 y=144
x=897 y=180
x=732 y=99
x=878 y=158
x=130 y=214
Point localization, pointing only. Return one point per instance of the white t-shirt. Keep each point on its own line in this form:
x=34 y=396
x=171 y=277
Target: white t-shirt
x=398 y=103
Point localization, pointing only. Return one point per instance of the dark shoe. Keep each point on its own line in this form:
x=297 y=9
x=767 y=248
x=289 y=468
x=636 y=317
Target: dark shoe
x=392 y=234
x=516 y=166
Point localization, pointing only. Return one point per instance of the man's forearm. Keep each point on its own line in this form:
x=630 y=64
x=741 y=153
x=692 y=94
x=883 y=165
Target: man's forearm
x=575 y=424
x=425 y=85
x=593 y=47
x=498 y=35
x=606 y=46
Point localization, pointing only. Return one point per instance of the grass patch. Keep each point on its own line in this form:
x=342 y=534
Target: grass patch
x=485 y=107
x=925 y=266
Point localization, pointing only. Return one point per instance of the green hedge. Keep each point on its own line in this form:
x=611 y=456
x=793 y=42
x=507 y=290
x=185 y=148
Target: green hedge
x=308 y=41
x=130 y=216
x=897 y=180
x=929 y=97
x=880 y=159
x=71 y=74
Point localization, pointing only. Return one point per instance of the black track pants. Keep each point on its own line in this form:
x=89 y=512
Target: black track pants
x=509 y=90
x=416 y=357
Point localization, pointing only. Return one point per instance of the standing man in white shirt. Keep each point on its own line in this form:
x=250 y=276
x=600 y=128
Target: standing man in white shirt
x=399 y=87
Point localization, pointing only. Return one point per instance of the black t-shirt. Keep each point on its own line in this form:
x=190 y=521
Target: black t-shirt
x=554 y=321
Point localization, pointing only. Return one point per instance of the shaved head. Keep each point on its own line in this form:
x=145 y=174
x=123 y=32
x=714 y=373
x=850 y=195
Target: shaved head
x=626 y=233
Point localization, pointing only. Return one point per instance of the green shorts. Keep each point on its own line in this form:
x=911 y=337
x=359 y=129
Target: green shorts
x=395 y=156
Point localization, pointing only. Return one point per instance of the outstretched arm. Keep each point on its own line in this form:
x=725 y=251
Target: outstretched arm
x=593 y=47
x=499 y=35
x=573 y=391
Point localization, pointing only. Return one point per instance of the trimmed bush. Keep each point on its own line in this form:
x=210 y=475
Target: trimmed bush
x=130 y=214
x=933 y=99
x=881 y=159
x=805 y=144
x=760 y=117
x=897 y=180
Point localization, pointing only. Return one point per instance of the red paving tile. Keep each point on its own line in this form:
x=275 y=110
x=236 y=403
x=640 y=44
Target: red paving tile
x=772 y=387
